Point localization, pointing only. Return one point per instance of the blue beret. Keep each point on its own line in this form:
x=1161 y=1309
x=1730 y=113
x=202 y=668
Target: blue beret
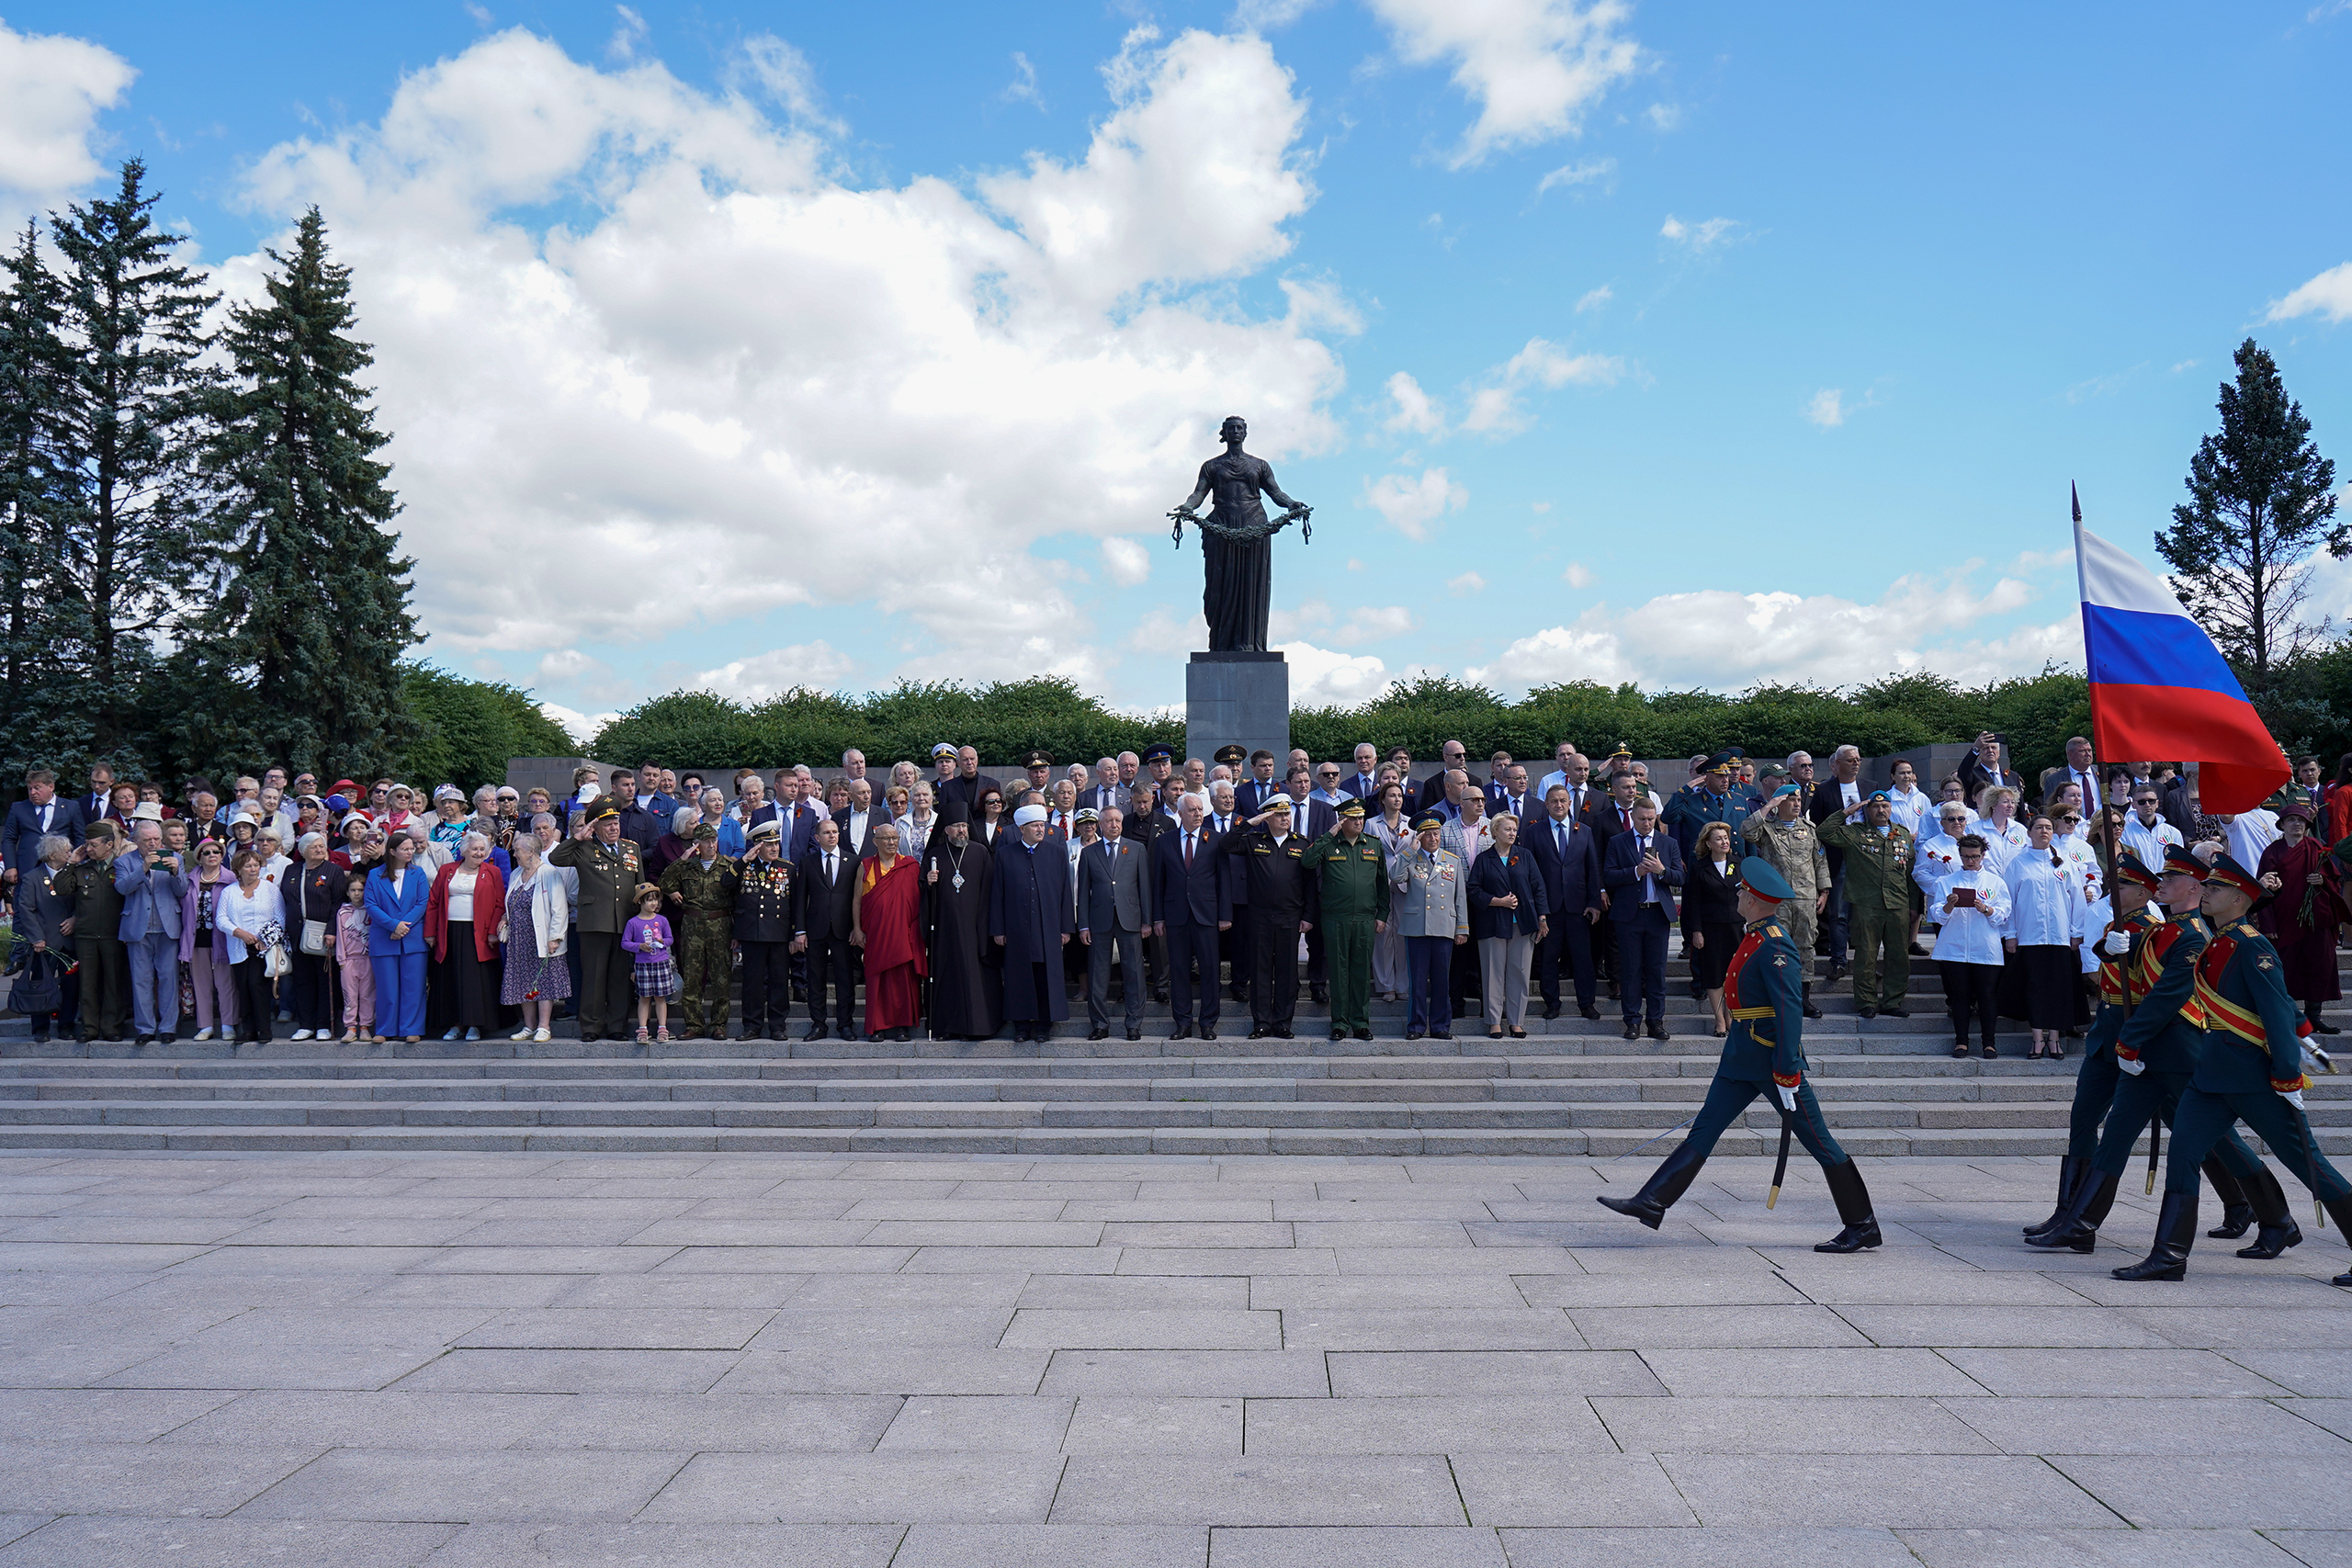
x=1764 y=880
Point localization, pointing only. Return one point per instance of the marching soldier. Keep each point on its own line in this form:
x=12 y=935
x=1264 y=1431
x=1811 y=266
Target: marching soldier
x=608 y=867
x=763 y=931
x=1781 y=835
x=1351 y=876
x=1282 y=905
x=1878 y=884
x=1763 y=1054
x=2251 y=1069
x=701 y=888
x=2152 y=1045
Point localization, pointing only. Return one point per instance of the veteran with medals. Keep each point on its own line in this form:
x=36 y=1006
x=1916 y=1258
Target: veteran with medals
x=608 y=867
x=764 y=932
x=1763 y=1054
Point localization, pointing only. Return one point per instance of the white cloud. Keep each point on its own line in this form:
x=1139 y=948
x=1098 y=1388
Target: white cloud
x=1828 y=408
x=1495 y=407
x=816 y=665
x=1415 y=410
x=1024 y=86
x=1265 y=15
x=1581 y=174
x=2329 y=293
x=1411 y=504
x=1594 y=299
x=1577 y=575
x=1698 y=236
x=1724 y=640
x=1366 y=623
x=1320 y=677
x=627 y=36
x=1532 y=66
x=1469 y=583
x=736 y=364
x=51 y=88
x=581 y=727
x=1127 y=560
x=1663 y=117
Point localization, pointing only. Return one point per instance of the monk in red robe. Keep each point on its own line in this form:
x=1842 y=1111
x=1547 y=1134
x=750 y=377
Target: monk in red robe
x=886 y=920
x=2301 y=915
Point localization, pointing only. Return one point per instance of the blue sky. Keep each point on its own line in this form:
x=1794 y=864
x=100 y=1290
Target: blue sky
x=1692 y=345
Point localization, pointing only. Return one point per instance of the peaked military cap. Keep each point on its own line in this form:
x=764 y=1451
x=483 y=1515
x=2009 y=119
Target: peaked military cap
x=2129 y=869
x=1158 y=752
x=1351 y=808
x=1038 y=758
x=1088 y=814
x=602 y=809
x=771 y=831
x=1721 y=761
x=1759 y=875
x=2178 y=862
x=1230 y=754
x=943 y=750
x=1430 y=821
x=2227 y=872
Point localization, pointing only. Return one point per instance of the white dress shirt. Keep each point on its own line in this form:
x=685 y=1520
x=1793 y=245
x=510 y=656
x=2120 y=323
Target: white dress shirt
x=1970 y=935
x=2251 y=834
x=2045 y=901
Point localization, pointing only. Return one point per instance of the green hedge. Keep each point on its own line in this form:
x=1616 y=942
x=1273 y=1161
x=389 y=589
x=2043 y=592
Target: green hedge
x=1005 y=720
x=469 y=729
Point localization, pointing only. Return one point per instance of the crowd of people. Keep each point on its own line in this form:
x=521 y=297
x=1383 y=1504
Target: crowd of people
x=939 y=898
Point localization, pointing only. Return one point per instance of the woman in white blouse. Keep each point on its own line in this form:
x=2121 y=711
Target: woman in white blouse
x=1971 y=900
x=2003 y=834
x=2045 y=931
x=253 y=918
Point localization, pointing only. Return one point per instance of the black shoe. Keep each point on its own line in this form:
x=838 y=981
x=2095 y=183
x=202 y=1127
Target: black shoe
x=1134 y=1034
x=2237 y=1204
x=2076 y=1227
x=1319 y=994
x=2176 y=1234
x=1338 y=1033
x=1284 y=1034
x=1207 y=1033
x=1810 y=1010
x=1632 y=1032
x=1098 y=1034
x=1184 y=1032
x=1870 y=1012
x=1364 y=1033
x=1658 y=1031
x=1897 y=1012
x=1915 y=950
x=145 y=1040
x=816 y=1032
x=1667 y=1182
x=1260 y=1033
x=1441 y=1034
x=167 y=1040
x=1853 y=1200
x=1593 y=1013
x=1160 y=996
x=1616 y=993
x=1233 y=993
x=2319 y=1028
x=2278 y=1230
x=84 y=1039
x=1413 y=1035
x=2070 y=1171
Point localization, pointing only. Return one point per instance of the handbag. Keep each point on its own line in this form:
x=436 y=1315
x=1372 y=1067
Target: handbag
x=315 y=940
x=273 y=961
x=38 y=991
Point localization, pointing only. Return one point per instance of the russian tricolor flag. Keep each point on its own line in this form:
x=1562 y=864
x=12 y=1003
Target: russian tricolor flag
x=2161 y=689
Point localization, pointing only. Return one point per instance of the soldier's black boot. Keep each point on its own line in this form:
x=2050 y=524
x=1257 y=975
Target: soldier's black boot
x=2078 y=1222
x=2340 y=1210
x=2176 y=1234
x=1810 y=1010
x=1670 y=1181
x=1853 y=1207
x=2070 y=1171
x=2278 y=1230
x=2237 y=1206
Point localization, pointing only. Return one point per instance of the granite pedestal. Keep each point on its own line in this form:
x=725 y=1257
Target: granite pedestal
x=1241 y=697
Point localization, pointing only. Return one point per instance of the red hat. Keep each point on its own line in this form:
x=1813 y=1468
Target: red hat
x=344 y=787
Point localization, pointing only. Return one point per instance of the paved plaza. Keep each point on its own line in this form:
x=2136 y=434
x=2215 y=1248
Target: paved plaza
x=373 y=1360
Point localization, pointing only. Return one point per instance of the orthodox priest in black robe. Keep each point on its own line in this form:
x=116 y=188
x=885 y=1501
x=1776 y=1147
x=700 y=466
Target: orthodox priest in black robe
x=966 y=973
x=1030 y=918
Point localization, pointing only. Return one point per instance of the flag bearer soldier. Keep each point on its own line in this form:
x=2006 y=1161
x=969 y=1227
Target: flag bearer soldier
x=2155 y=1042
x=608 y=867
x=764 y=932
x=1352 y=876
x=2251 y=1069
x=1281 y=905
x=1763 y=1054
x=1878 y=887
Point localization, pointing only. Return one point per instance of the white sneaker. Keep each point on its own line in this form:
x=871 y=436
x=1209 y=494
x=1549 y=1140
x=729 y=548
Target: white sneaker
x=301 y=1034
x=541 y=1034
x=522 y=1034
x=201 y=1034
x=452 y=1034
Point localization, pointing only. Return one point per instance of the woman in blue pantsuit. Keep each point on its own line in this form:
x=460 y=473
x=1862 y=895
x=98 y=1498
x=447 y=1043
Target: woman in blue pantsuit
x=396 y=892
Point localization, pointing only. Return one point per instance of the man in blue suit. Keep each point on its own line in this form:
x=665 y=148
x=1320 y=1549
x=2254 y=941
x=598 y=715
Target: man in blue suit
x=1194 y=903
x=29 y=819
x=152 y=882
x=1364 y=782
x=1640 y=870
x=1566 y=853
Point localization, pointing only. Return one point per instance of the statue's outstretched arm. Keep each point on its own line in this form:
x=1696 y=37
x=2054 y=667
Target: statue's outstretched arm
x=1276 y=491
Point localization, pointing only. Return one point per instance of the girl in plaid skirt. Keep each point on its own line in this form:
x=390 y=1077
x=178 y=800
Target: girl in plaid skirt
x=648 y=936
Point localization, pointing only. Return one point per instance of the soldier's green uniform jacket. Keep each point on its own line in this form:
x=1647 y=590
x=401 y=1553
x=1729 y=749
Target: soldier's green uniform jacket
x=1878 y=864
x=703 y=892
x=2252 y=1040
x=97 y=906
x=2165 y=1030
x=1764 y=990
x=1355 y=877
x=608 y=877
x=1794 y=851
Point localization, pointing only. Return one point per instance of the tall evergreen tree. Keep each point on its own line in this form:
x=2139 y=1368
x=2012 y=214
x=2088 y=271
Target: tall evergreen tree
x=2260 y=504
x=45 y=723
x=129 y=420
x=302 y=644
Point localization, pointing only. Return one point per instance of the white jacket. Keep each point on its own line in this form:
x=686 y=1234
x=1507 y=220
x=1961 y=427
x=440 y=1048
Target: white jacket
x=551 y=908
x=1970 y=936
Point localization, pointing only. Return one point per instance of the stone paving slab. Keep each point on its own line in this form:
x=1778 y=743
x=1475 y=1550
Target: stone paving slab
x=1217 y=1360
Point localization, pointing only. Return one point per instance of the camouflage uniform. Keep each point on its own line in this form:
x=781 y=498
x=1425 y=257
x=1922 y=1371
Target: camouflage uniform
x=1794 y=850
x=702 y=903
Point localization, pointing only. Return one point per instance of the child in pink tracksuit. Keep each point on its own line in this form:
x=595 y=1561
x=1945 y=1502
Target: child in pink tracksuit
x=350 y=958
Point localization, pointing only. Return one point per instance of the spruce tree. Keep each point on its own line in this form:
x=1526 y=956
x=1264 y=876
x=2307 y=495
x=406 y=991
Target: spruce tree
x=2260 y=503
x=302 y=641
x=129 y=419
x=46 y=722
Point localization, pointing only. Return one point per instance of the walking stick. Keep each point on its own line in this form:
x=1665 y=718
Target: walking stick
x=1780 y=1167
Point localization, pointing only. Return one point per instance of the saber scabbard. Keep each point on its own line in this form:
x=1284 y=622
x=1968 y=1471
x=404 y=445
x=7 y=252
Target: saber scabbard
x=2155 y=1148
x=1780 y=1167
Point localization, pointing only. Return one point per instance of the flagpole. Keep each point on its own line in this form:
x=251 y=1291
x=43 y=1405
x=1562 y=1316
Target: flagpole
x=2090 y=691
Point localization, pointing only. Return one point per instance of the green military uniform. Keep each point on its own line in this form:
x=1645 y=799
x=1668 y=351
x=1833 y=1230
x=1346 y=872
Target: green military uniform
x=701 y=902
x=105 y=962
x=607 y=902
x=1878 y=885
x=1354 y=878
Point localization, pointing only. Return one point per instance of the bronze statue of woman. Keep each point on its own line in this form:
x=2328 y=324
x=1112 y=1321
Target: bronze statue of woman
x=1238 y=542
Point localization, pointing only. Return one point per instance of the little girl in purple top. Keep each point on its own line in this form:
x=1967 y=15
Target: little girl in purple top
x=648 y=936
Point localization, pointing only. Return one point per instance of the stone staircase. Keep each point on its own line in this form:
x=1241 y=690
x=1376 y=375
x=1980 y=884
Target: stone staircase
x=1572 y=1087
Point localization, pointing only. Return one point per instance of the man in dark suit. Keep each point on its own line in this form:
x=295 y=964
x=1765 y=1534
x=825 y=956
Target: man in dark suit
x=638 y=826
x=1249 y=796
x=969 y=782
x=1508 y=797
x=821 y=927
x=1451 y=756
x=857 y=820
x=1611 y=815
x=1364 y=782
x=1310 y=819
x=1568 y=859
x=1113 y=912
x=1190 y=887
x=31 y=819
x=94 y=805
x=1105 y=793
x=1641 y=869
x=1836 y=796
